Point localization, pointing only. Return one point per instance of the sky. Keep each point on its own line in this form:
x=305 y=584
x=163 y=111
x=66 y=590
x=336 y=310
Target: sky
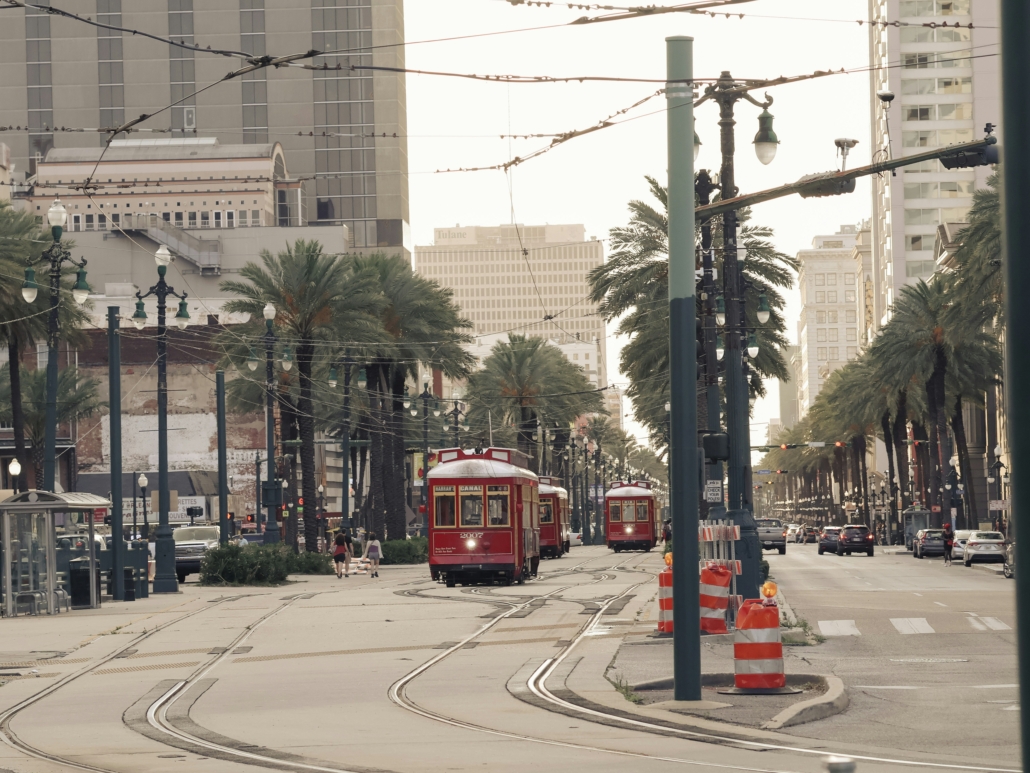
x=455 y=123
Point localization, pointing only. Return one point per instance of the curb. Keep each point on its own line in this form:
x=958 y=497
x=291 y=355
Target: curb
x=833 y=701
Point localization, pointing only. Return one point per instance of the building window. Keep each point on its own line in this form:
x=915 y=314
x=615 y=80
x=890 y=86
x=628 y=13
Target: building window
x=834 y=353
x=852 y=352
x=832 y=317
x=820 y=280
x=849 y=296
x=919 y=269
x=919 y=139
x=820 y=335
x=42 y=356
x=821 y=353
x=833 y=334
x=850 y=315
x=954 y=85
x=831 y=296
x=820 y=297
x=917 y=242
x=820 y=317
x=956 y=188
x=919 y=86
x=918 y=113
x=958 y=111
x=921 y=190
x=954 y=215
x=852 y=334
x=849 y=279
x=922 y=217
x=831 y=280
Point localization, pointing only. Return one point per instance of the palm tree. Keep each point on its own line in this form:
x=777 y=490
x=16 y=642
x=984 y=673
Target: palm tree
x=77 y=398
x=315 y=295
x=418 y=324
x=632 y=286
x=526 y=379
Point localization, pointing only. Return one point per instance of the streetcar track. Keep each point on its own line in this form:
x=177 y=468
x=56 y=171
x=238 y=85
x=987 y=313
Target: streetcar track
x=536 y=684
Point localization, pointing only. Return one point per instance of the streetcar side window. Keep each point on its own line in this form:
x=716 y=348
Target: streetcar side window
x=615 y=511
x=443 y=506
x=497 y=505
x=546 y=515
x=471 y=498
x=642 y=511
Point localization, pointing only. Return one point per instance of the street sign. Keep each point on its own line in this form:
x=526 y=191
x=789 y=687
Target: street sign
x=817 y=444
x=935 y=508
x=713 y=491
x=762 y=472
x=999 y=504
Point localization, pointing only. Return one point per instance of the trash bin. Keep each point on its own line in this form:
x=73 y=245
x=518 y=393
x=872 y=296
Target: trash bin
x=78 y=583
x=130 y=584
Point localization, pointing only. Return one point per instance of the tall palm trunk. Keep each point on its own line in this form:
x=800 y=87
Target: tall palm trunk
x=377 y=451
x=863 y=483
x=922 y=466
x=393 y=443
x=839 y=469
x=900 y=435
x=958 y=425
x=888 y=442
x=856 y=472
x=309 y=486
x=18 y=414
x=933 y=477
x=940 y=373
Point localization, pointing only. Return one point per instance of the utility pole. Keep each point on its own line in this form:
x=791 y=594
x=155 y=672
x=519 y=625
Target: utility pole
x=223 y=465
x=114 y=379
x=704 y=188
x=1015 y=70
x=684 y=469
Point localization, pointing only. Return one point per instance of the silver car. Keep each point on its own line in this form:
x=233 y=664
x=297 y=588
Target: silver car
x=984 y=546
x=958 y=548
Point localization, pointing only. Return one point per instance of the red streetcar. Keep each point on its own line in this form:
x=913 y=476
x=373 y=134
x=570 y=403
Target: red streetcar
x=484 y=519
x=630 y=516
x=555 y=529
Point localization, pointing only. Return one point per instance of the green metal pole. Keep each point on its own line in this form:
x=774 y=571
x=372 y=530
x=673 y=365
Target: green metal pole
x=223 y=465
x=345 y=520
x=114 y=380
x=684 y=471
x=1015 y=74
x=165 y=578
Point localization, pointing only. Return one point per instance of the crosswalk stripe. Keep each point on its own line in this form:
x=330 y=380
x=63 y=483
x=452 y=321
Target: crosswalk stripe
x=838 y=628
x=977 y=625
x=995 y=624
x=911 y=625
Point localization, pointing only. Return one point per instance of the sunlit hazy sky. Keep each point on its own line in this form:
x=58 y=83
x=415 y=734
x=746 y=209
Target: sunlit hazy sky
x=457 y=123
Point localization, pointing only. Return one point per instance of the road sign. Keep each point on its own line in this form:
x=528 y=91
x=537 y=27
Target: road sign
x=762 y=472
x=817 y=444
x=713 y=491
x=999 y=504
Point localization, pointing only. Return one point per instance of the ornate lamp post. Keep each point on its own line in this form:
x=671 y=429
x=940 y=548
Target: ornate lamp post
x=56 y=255
x=165 y=580
x=14 y=470
x=271 y=524
x=142 y=482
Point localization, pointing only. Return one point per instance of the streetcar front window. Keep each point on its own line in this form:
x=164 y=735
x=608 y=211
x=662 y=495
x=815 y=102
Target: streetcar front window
x=615 y=512
x=471 y=498
x=546 y=516
x=642 y=511
x=497 y=505
x=443 y=506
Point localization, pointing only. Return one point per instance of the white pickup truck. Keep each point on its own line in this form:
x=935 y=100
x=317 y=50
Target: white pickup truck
x=772 y=534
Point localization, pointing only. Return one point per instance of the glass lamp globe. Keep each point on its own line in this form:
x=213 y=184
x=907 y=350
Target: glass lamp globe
x=142 y=480
x=252 y=360
x=139 y=317
x=182 y=316
x=766 y=139
x=268 y=312
x=332 y=378
x=57 y=215
x=80 y=292
x=162 y=257
x=29 y=288
x=14 y=468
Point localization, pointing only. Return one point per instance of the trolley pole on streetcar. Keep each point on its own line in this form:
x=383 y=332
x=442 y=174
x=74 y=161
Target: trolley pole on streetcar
x=683 y=453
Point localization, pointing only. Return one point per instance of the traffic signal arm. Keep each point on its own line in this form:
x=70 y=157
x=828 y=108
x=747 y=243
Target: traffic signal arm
x=979 y=153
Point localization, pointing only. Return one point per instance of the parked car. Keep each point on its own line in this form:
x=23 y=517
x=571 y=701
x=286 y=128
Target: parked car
x=772 y=535
x=855 y=538
x=576 y=538
x=191 y=543
x=959 y=546
x=828 y=538
x=1008 y=568
x=792 y=531
x=928 y=542
x=984 y=547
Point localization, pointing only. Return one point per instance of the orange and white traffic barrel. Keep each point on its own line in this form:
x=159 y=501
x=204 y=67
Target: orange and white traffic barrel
x=758 y=649
x=715 y=596
x=665 y=601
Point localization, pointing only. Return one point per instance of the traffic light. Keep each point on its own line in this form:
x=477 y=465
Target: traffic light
x=782 y=472
x=230 y=516
x=825 y=184
x=839 y=444
x=250 y=518
x=785 y=446
x=967 y=158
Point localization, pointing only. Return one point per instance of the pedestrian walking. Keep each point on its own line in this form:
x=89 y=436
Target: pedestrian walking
x=373 y=552
x=667 y=532
x=949 y=543
x=342 y=553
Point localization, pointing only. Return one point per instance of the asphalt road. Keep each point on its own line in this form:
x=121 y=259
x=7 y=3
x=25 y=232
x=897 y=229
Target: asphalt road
x=928 y=652
x=402 y=674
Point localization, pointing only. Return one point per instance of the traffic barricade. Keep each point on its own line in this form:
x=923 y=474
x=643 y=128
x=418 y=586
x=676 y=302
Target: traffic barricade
x=758 y=648
x=665 y=601
x=715 y=592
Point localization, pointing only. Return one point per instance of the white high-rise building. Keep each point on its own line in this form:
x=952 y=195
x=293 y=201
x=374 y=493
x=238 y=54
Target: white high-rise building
x=941 y=65
x=828 y=326
x=523 y=279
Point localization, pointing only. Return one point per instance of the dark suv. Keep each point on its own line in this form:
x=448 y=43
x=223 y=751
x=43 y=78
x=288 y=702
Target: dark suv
x=855 y=538
x=828 y=538
x=928 y=542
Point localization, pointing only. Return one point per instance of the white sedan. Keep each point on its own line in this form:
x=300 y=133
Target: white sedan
x=984 y=546
x=576 y=538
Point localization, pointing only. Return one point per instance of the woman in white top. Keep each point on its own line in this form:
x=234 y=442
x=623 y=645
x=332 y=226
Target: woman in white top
x=373 y=552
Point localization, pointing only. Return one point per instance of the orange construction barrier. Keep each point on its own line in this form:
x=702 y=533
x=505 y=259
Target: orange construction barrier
x=757 y=648
x=665 y=601
x=715 y=596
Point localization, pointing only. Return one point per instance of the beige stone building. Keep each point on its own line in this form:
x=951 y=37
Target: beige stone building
x=344 y=130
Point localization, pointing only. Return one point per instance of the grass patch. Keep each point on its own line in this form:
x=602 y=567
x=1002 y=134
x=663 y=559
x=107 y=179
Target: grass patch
x=620 y=684
x=259 y=565
x=811 y=637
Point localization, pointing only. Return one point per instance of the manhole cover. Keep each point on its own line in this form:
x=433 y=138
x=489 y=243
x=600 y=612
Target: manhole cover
x=929 y=660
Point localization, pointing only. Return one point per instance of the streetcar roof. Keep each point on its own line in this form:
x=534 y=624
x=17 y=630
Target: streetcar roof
x=490 y=463
x=547 y=488
x=628 y=491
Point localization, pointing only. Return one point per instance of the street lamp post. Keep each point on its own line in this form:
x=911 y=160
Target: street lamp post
x=271 y=524
x=346 y=520
x=423 y=497
x=145 y=533
x=165 y=579
x=56 y=255
x=14 y=470
x=458 y=415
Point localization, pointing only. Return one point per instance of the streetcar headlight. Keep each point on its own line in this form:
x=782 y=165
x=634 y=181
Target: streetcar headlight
x=629 y=529
x=470 y=544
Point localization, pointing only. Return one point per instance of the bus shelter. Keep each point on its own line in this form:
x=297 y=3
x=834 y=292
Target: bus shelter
x=38 y=563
